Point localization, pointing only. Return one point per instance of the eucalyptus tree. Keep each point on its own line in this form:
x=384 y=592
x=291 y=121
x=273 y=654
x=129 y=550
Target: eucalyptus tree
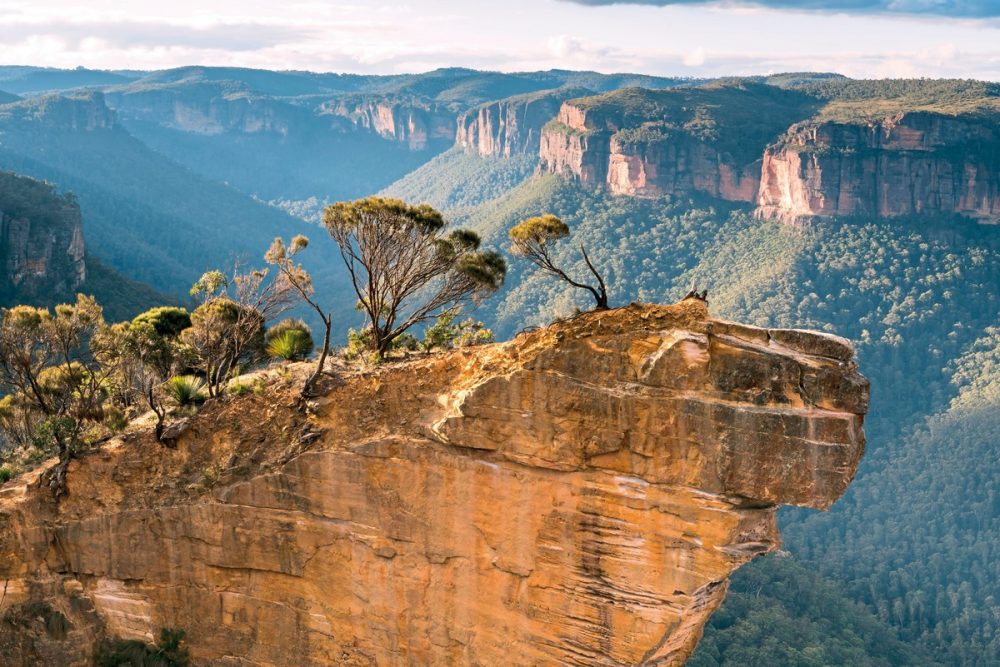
x=406 y=266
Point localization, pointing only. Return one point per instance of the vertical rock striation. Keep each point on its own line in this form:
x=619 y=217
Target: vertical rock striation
x=576 y=496
x=417 y=124
x=208 y=108
x=41 y=239
x=511 y=126
x=910 y=163
x=777 y=155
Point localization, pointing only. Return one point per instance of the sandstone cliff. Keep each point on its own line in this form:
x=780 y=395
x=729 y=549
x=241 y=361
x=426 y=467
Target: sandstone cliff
x=578 y=495
x=770 y=148
x=79 y=112
x=910 y=163
x=41 y=240
x=511 y=126
x=678 y=142
x=416 y=123
x=205 y=108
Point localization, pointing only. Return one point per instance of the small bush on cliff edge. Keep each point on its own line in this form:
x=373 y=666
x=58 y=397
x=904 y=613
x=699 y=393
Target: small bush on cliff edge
x=168 y=652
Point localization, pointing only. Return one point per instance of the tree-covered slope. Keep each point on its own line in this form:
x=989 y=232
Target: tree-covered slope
x=457 y=181
x=780 y=612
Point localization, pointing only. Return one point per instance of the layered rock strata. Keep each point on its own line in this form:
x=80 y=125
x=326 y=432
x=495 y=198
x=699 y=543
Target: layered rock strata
x=577 y=496
x=414 y=123
x=512 y=126
x=913 y=163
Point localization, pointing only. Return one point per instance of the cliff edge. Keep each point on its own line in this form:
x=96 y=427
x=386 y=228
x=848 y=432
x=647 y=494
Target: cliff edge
x=576 y=496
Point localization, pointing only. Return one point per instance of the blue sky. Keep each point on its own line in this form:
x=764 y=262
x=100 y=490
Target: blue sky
x=863 y=38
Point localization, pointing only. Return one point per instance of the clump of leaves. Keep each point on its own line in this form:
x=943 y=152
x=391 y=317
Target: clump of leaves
x=186 y=390
x=358 y=343
x=445 y=333
x=6 y=473
x=406 y=342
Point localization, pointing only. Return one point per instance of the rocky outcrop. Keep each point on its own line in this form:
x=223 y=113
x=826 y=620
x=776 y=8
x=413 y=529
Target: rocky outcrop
x=418 y=124
x=512 y=126
x=41 y=239
x=648 y=162
x=911 y=163
x=578 y=495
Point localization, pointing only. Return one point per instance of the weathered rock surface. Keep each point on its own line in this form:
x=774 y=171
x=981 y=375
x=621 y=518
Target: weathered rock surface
x=418 y=124
x=577 y=496
x=41 y=239
x=907 y=164
x=511 y=126
x=670 y=142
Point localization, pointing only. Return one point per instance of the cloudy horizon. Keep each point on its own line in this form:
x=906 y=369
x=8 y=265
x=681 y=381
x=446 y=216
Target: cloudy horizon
x=696 y=38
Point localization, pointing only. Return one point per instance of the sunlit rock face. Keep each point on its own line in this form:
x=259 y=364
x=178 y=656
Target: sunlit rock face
x=914 y=163
x=585 y=145
x=208 y=108
x=577 y=496
x=415 y=123
x=512 y=126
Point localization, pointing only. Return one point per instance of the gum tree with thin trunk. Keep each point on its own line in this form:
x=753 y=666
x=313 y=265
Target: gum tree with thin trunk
x=533 y=239
x=406 y=267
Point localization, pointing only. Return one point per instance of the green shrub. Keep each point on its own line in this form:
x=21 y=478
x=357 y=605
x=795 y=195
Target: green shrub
x=290 y=345
x=406 y=341
x=444 y=333
x=6 y=473
x=358 y=343
x=186 y=389
x=168 y=321
x=288 y=324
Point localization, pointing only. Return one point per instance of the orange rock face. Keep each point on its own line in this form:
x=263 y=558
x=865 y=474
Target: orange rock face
x=908 y=164
x=416 y=125
x=578 y=496
x=584 y=145
x=511 y=126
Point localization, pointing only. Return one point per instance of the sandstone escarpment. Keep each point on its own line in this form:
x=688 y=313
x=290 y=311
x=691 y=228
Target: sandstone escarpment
x=79 y=112
x=648 y=162
x=912 y=163
x=416 y=124
x=511 y=126
x=578 y=495
x=41 y=239
x=678 y=166
x=678 y=142
x=205 y=108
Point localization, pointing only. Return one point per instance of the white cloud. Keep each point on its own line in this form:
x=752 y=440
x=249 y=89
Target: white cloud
x=695 y=58
x=526 y=34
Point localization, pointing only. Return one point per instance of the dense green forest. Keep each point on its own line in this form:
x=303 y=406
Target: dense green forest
x=780 y=612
